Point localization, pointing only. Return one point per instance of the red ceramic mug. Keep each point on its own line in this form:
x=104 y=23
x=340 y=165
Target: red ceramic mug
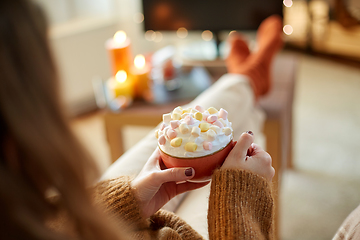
x=203 y=166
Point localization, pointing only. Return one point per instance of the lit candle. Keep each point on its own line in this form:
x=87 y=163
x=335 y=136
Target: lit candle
x=121 y=85
x=141 y=71
x=120 y=52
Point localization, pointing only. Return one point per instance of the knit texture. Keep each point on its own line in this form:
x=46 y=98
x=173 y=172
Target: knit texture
x=119 y=201
x=240 y=206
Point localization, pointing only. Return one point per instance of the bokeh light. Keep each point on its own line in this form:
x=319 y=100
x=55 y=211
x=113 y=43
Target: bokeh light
x=150 y=35
x=288 y=3
x=158 y=36
x=207 y=35
x=288 y=29
x=182 y=32
x=231 y=32
x=138 y=17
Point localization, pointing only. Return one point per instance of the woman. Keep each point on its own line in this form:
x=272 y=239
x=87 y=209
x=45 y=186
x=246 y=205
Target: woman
x=45 y=172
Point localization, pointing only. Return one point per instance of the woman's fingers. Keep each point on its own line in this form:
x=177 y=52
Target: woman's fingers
x=175 y=175
x=243 y=144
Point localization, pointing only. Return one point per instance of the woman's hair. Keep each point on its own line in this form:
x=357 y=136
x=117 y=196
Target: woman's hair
x=38 y=151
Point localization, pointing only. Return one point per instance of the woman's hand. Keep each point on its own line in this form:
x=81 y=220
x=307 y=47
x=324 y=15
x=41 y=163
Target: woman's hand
x=249 y=156
x=155 y=187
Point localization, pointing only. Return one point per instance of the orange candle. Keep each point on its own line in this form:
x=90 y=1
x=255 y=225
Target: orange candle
x=120 y=52
x=121 y=85
x=141 y=72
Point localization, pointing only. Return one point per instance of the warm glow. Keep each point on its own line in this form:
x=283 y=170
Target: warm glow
x=288 y=29
x=121 y=76
x=138 y=17
x=150 y=35
x=139 y=61
x=207 y=35
x=120 y=37
x=158 y=37
x=182 y=32
x=288 y=3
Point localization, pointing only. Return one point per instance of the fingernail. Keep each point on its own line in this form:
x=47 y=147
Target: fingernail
x=189 y=172
x=250 y=132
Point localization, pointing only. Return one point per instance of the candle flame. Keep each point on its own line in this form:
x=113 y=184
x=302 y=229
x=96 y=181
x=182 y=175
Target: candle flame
x=120 y=37
x=121 y=76
x=139 y=61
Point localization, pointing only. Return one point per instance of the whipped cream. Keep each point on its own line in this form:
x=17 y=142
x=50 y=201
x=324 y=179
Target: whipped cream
x=194 y=132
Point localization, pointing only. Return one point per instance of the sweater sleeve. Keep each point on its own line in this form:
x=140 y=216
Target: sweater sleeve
x=240 y=206
x=118 y=200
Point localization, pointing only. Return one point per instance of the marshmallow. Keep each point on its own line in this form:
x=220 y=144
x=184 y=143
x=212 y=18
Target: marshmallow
x=184 y=128
x=157 y=133
x=174 y=124
x=199 y=108
x=198 y=116
x=189 y=120
x=176 y=116
x=211 y=118
x=212 y=110
x=211 y=135
x=166 y=118
x=195 y=131
x=219 y=124
x=204 y=126
x=178 y=110
x=207 y=145
x=193 y=110
x=222 y=121
x=184 y=115
x=227 y=131
x=176 y=142
x=223 y=114
x=162 y=140
x=191 y=147
x=171 y=134
x=205 y=116
x=162 y=126
x=186 y=110
x=216 y=129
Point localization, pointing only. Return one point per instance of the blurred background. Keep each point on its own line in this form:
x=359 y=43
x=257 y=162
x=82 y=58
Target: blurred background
x=324 y=35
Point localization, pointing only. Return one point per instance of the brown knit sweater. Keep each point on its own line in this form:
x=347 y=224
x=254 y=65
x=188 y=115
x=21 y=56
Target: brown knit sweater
x=240 y=207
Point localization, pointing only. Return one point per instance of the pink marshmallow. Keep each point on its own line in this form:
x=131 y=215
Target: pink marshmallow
x=162 y=140
x=189 y=120
x=171 y=134
x=212 y=119
x=162 y=126
x=219 y=124
x=174 y=124
x=223 y=114
x=205 y=116
x=199 y=108
x=207 y=145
